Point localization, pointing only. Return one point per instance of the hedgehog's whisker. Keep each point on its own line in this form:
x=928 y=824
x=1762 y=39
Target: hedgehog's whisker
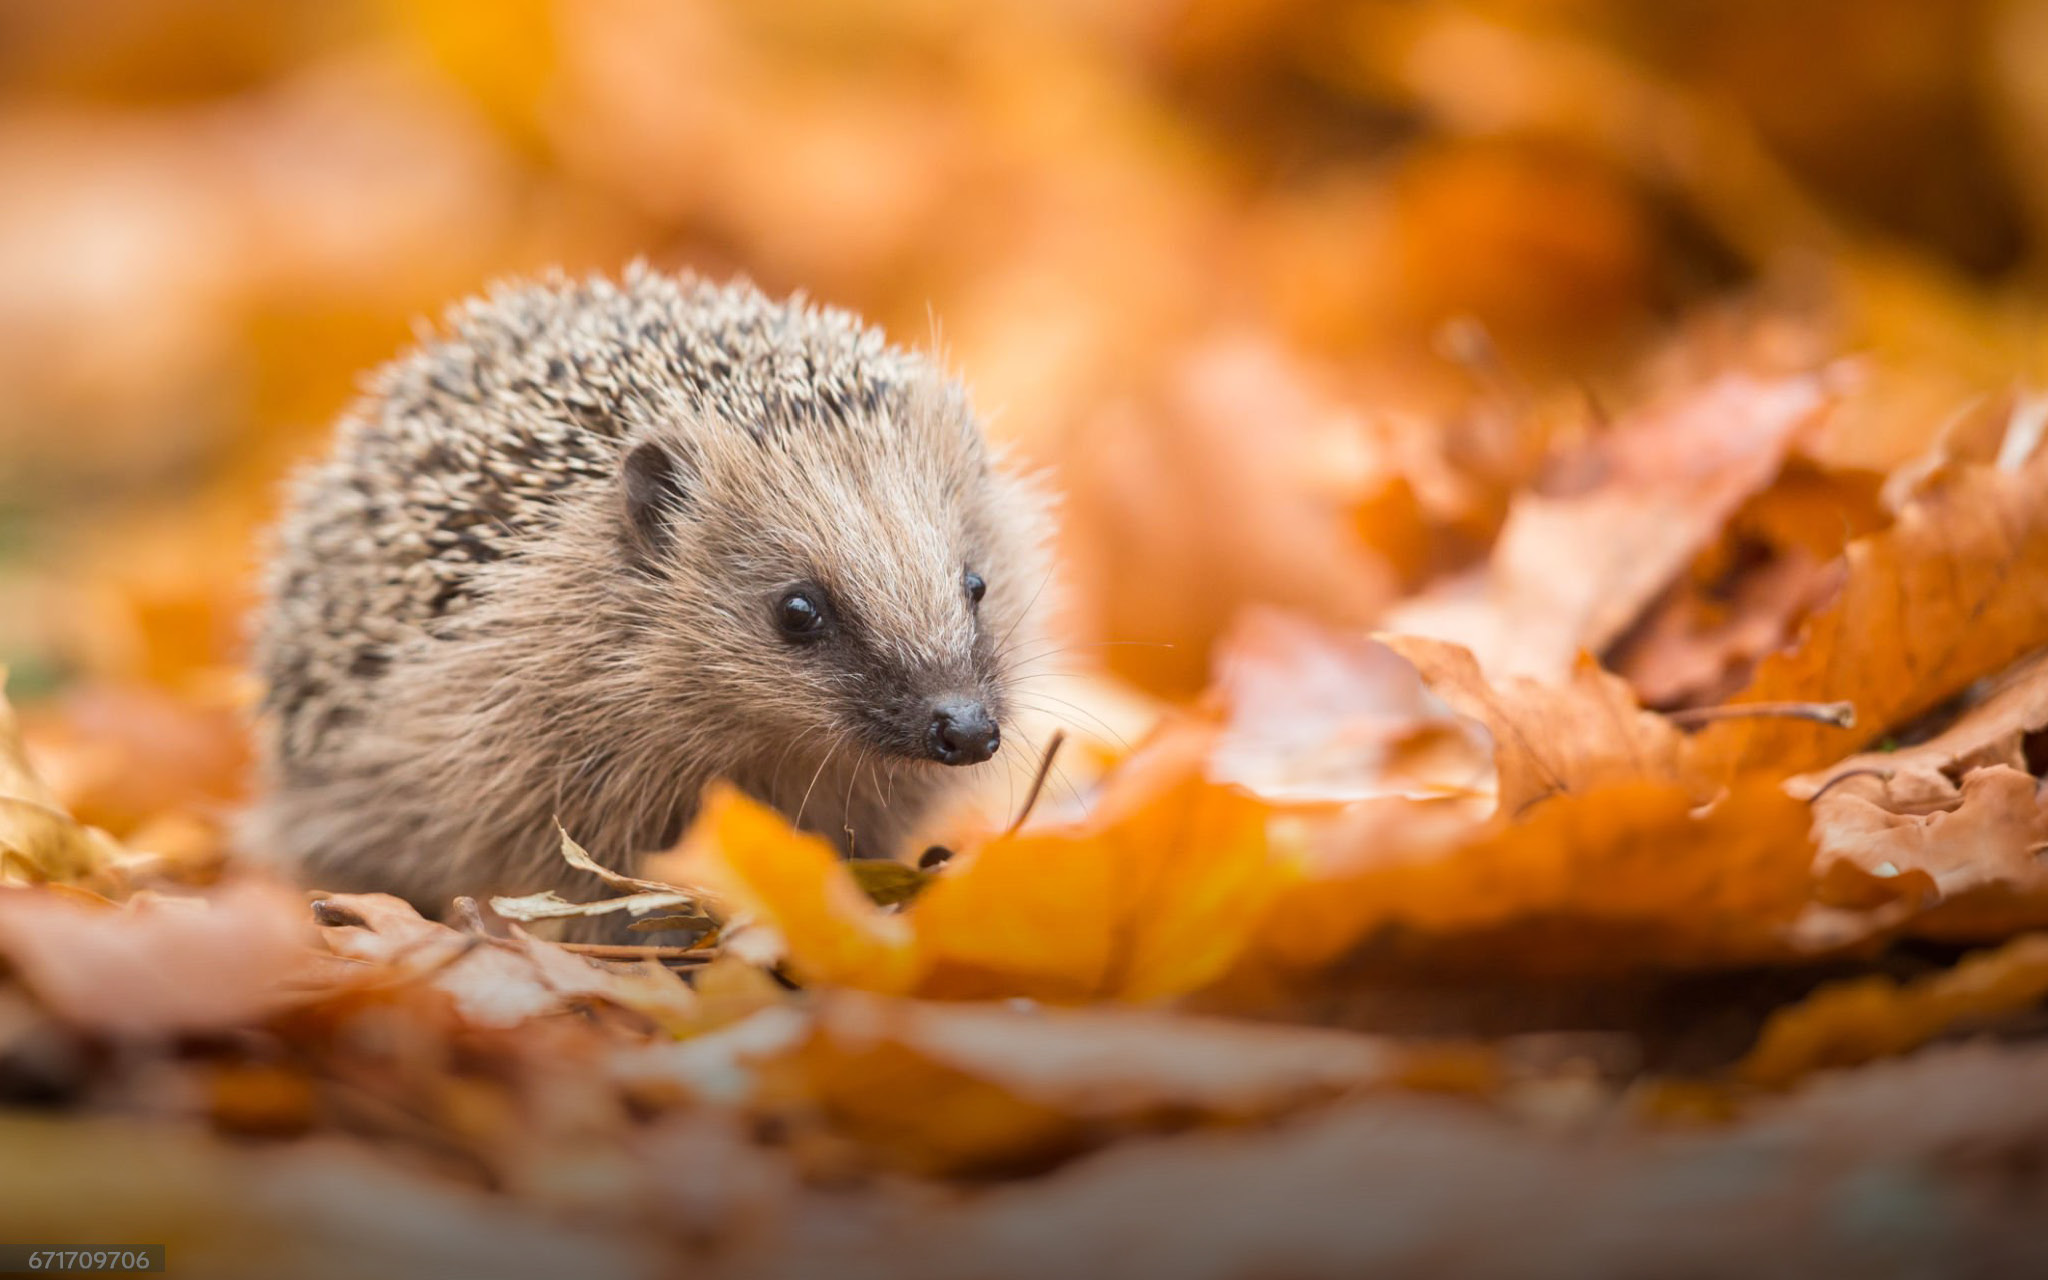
x=816 y=774
x=1025 y=612
x=846 y=805
x=1076 y=709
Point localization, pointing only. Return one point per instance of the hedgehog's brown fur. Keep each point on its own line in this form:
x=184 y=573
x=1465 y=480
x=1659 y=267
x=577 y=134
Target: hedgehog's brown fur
x=468 y=635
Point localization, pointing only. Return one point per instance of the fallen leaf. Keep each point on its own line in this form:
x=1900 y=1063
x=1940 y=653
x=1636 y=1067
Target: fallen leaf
x=549 y=905
x=161 y=965
x=1845 y=1024
x=1981 y=849
x=1550 y=740
x=1152 y=896
x=1571 y=572
x=39 y=841
x=797 y=885
x=1313 y=715
x=1989 y=732
x=964 y=1088
x=493 y=982
x=1609 y=880
x=888 y=883
x=1953 y=592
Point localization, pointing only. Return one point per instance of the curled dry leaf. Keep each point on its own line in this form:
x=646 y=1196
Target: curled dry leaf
x=647 y=895
x=493 y=982
x=1980 y=848
x=1549 y=740
x=1989 y=732
x=1849 y=1023
x=1953 y=592
x=1571 y=572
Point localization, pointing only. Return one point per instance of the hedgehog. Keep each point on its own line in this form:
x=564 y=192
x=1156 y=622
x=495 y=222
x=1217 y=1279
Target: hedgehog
x=600 y=543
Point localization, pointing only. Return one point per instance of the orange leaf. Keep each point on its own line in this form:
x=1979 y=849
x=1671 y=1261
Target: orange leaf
x=797 y=884
x=1612 y=879
x=1546 y=739
x=1152 y=897
x=1953 y=592
x=1848 y=1023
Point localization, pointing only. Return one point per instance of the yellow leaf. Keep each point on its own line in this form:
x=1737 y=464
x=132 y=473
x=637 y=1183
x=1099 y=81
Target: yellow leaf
x=795 y=883
x=1152 y=897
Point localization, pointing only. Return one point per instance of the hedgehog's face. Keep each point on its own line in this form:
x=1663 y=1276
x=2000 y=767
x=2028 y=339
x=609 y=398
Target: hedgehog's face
x=845 y=600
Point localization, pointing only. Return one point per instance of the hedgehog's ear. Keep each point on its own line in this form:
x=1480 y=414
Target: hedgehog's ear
x=655 y=484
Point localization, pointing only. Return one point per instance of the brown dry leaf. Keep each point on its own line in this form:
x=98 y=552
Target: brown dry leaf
x=1990 y=732
x=39 y=841
x=1550 y=740
x=494 y=983
x=1603 y=881
x=1849 y=1023
x=1980 y=847
x=161 y=965
x=646 y=896
x=955 y=1089
x=1152 y=896
x=1953 y=592
x=1743 y=598
x=1572 y=571
x=1314 y=715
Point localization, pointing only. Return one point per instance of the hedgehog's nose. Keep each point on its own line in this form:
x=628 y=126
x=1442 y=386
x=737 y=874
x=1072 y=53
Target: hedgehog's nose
x=961 y=732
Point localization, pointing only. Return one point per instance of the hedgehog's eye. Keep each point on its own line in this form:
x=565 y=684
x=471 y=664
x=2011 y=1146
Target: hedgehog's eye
x=800 y=616
x=976 y=588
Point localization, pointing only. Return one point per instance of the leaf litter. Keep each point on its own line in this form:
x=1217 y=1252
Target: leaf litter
x=1481 y=871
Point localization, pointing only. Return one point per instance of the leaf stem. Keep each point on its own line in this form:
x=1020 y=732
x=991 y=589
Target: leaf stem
x=1842 y=715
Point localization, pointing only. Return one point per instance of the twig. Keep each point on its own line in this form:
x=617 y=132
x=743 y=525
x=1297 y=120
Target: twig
x=1052 y=748
x=1842 y=715
x=1845 y=775
x=625 y=951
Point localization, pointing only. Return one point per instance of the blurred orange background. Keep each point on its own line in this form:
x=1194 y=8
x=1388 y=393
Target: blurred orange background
x=1287 y=294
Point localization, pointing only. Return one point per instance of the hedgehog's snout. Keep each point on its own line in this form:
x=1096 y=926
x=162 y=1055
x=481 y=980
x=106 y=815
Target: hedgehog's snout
x=961 y=732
